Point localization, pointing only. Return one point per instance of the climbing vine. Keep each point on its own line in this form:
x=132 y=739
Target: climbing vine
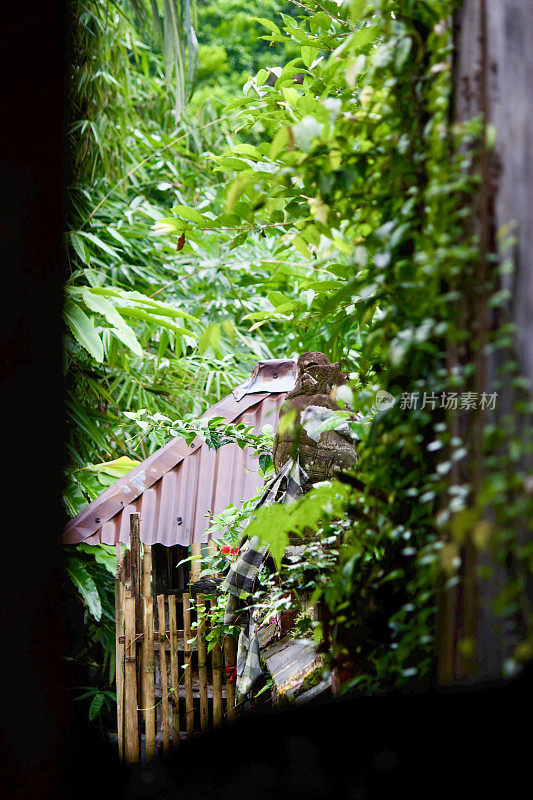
x=363 y=172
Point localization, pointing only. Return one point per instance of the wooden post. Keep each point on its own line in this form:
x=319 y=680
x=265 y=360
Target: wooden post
x=163 y=670
x=148 y=669
x=136 y=581
x=230 y=657
x=135 y=563
x=146 y=590
x=131 y=726
x=187 y=677
x=174 y=669
x=196 y=550
x=216 y=656
x=119 y=654
x=202 y=664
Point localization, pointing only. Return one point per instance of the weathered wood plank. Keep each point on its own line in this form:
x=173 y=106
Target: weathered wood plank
x=187 y=678
x=148 y=670
x=147 y=571
x=163 y=671
x=119 y=654
x=230 y=658
x=216 y=664
x=136 y=566
x=131 y=726
x=202 y=664
x=174 y=670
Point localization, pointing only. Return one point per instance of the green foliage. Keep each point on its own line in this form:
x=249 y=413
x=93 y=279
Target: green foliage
x=86 y=587
x=99 y=700
x=315 y=196
x=358 y=174
x=215 y=432
x=274 y=523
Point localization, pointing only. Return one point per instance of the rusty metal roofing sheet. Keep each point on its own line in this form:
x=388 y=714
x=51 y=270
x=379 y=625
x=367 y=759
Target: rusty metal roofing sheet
x=273 y=375
x=177 y=486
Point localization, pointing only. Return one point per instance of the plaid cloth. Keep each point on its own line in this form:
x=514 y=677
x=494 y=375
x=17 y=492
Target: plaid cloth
x=285 y=487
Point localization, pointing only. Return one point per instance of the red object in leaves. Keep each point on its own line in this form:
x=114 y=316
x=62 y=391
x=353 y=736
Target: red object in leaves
x=226 y=548
x=181 y=242
x=232 y=673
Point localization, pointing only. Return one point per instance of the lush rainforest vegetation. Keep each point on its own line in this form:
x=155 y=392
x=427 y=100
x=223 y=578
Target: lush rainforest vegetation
x=256 y=180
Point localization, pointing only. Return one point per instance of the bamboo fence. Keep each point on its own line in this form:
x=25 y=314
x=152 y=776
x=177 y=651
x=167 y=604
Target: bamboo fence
x=169 y=687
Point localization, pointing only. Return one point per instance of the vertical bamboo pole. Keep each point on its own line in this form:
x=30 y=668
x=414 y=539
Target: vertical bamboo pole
x=216 y=656
x=136 y=587
x=174 y=669
x=147 y=571
x=163 y=670
x=187 y=678
x=230 y=657
x=196 y=550
x=135 y=562
x=119 y=654
x=202 y=663
x=131 y=726
x=148 y=670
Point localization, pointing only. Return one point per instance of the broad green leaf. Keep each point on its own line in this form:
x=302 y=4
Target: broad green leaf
x=272 y=524
x=284 y=308
x=102 y=554
x=239 y=239
x=117 y=468
x=96 y=706
x=138 y=313
x=79 y=247
x=320 y=20
x=299 y=243
x=84 y=331
x=120 y=328
x=229 y=329
x=97 y=241
x=356 y=9
x=291 y=95
x=209 y=338
x=236 y=188
x=278 y=298
x=136 y=297
x=169 y=225
x=247 y=150
x=86 y=586
x=308 y=55
x=279 y=142
x=267 y=24
x=189 y=213
x=257 y=325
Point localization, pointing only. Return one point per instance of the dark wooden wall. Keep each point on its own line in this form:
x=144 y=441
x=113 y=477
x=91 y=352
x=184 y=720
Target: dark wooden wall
x=493 y=77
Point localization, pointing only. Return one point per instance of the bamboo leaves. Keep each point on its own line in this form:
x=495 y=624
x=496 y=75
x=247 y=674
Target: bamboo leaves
x=84 y=331
x=111 y=305
x=122 y=331
x=86 y=586
x=179 y=45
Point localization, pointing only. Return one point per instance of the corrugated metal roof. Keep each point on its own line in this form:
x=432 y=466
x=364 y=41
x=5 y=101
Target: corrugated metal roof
x=177 y=486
